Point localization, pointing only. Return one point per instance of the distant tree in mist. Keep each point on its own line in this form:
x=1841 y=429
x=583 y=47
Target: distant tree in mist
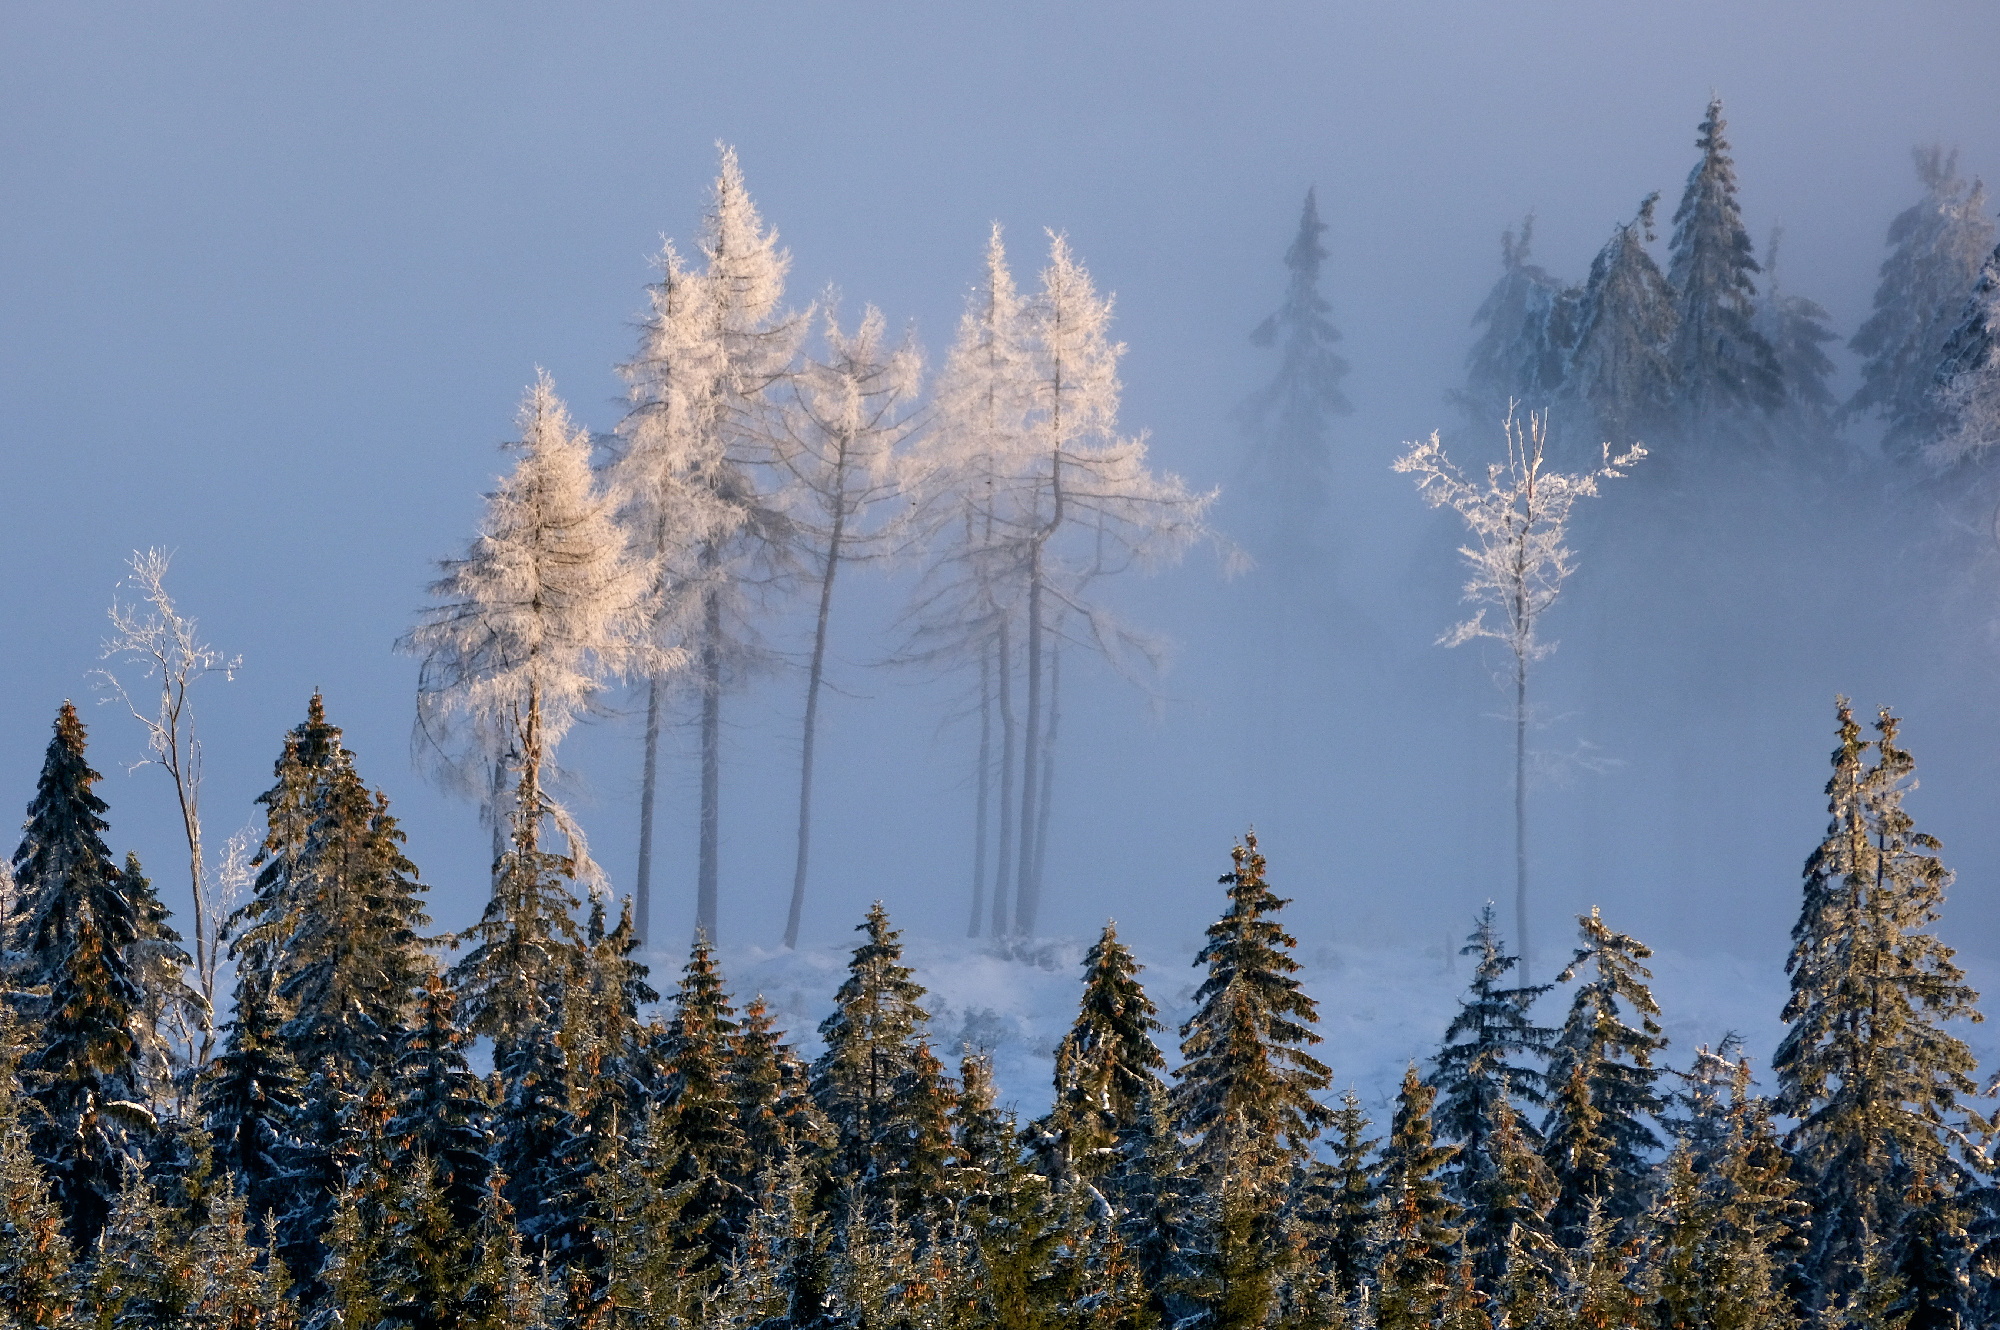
x=1620 y=368
x=1518 y=519
x=838 y=444
x=1729 y=375
x=1527 y=325
x=1798 y=330
x=1935 y=249
x=1289 y=421
x=1966 y=395
x=699 y=485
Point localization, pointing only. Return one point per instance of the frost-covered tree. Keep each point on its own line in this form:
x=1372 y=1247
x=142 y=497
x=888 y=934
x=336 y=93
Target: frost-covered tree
x=1868 y=1067
x=171 y=1010
x=1602 y=1079
x=1527 y=325
x=966 y=609
x=531 y=623
x=1106 y=1065
x=1797 y=329
x=1040 y=497
x=250 y=1095
x=1086 y=506
x=1480 y=1067
x=1966 y=395
x=1728 y=375
x=839 y=444
x=162 y=643
x=1935 y=249
x=1289 y=421
x=711 y=1154
x=1620 y=369
x=85 y=1082
x=698 y=488
x=1518 y=519
x=36 y=1282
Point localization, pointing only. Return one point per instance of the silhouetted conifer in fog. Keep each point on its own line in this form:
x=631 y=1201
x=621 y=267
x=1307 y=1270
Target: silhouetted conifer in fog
x=1620 y=372
x=1289 y=467
x=1728 y=375
x=1798 y=330
x=1527 y=326
x=1935 y=249
x=1965 y=398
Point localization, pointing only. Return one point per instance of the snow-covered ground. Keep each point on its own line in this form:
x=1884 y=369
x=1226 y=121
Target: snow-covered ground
x=1380 y=1007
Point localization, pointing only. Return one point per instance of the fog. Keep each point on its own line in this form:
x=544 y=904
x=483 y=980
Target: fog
x=271 y=283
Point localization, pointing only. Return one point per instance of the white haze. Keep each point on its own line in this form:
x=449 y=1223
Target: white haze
x=272 y=281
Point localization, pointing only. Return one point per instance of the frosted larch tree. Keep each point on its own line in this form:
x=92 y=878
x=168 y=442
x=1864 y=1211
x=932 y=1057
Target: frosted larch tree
x=1966 y=396
x=1087 y=506
x=526 y=631
x=1289 y=420
x=1519 y=556
x=1935 y=249
x=162 y=643
x=966 y=612
x=1729 y=376
x=696 y=481
x=839 y=443
x=1527 y=325
x=1621 y=370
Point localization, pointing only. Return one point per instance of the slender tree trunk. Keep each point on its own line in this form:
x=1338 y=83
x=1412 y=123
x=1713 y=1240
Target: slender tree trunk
x=1521 y=810
x=496 y=785
x=1024 y=891
x=711 y=764
x=1048 y=767
x=814 y=674
x=1004 y=869
x=649 y=784
x=985 y=783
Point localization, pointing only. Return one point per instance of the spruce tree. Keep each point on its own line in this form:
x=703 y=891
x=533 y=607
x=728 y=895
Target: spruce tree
x=1621 y=370
x=1160 y=1211
x=1480 y=1064
x=1416 y=1230
x=1798 y=330
x=1868 y=1067
x=1290 y=419
x=1507 y=1206
x=703 y=1123
x=1528 y=326
x=876 y=1080
x=1935 y=249
x=1339 y=1201
x=1601 y=1069
x=1106 y=1065
x=35 y=1256
x=1965 y=398
x=84 y=1074
x=138 y=1273
x=1245 y=1088
x=775 y=1110
x=169 y=1007
x=1729 y=376
x=441 y=1113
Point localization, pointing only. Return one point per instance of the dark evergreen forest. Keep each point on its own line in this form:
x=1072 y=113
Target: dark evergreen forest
x=629 y=1161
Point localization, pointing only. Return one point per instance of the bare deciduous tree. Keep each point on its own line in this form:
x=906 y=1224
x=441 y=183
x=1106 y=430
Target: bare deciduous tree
x=153 y=636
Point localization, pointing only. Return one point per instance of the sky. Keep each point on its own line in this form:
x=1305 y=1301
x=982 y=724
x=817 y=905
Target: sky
x=272 y=280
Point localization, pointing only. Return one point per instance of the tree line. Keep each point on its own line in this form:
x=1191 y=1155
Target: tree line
x=339 y=1162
